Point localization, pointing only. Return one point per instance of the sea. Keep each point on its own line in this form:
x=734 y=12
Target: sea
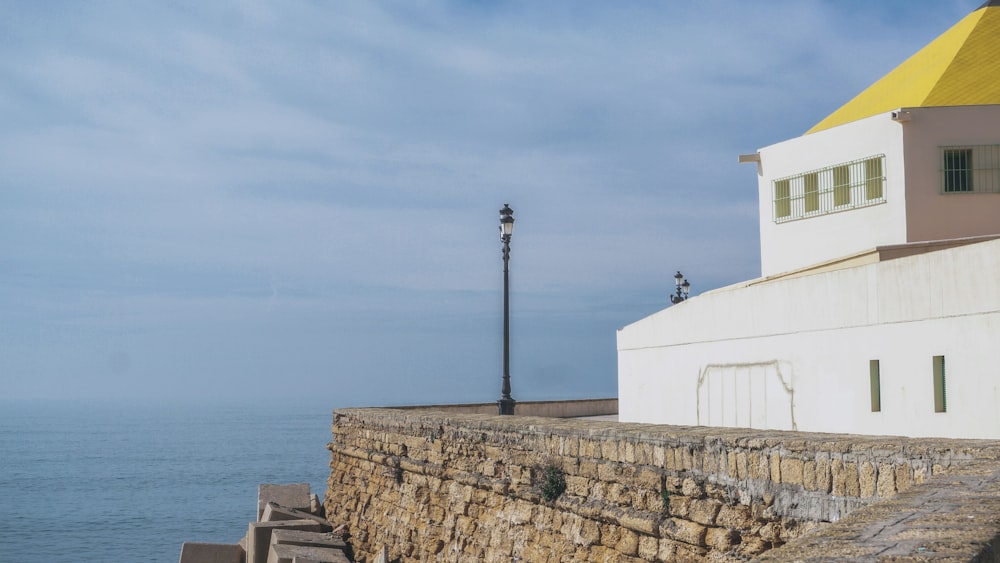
x=132 y=482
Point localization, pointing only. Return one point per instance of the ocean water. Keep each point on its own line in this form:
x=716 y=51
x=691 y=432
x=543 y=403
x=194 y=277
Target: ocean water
x=119 y=482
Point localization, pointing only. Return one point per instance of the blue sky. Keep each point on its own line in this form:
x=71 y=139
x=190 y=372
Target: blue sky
x=298 y=201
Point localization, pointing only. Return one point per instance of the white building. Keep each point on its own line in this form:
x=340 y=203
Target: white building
x=878 y=309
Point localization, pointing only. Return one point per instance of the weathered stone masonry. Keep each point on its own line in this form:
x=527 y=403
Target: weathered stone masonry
x=434 y=486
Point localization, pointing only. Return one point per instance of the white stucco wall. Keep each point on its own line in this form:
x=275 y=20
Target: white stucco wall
x=796 y=351
x=932 y=215
x=802 y=242
x=915 y=209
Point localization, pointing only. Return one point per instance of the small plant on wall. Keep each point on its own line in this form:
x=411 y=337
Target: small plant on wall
x=553 y=483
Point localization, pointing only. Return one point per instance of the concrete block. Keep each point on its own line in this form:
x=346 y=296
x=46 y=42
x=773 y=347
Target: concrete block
x=295 y=495
x=284 y=553
x=196 y=552
x=315 y=539
x=259 y=536
x=274 y=512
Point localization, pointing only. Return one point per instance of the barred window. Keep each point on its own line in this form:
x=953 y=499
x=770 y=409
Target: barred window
x=849 y=185
x=841 y=185
x=782 y=199
x=970 y=169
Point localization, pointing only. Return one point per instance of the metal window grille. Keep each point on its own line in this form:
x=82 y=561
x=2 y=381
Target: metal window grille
x=849 y=185
x=970 y=169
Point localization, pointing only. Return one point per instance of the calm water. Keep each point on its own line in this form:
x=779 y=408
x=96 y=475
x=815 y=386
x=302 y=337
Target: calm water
x=131 y=483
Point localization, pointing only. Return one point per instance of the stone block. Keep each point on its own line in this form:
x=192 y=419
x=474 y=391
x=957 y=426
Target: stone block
x=197 y=552
x=704 y=511
x=274 y=512
x=792 y=471
x=259 y=535
x=295 y=495
x=852 y=480
x=886 y=483
x=809 y=475
x=686 y=459
x=903 y=477
x=648 y=478
x=757 y=466
x=628 y=543
x=649 y=547
x=839 y=477
x=824 y=477
x=735 y=517
x=284 y=553
x=644 y=523
x=741 y=465
x=680 y=505
x=691 y=488
x=721 y=539
x=775 y=467
x=867 y=479
x=684 y=531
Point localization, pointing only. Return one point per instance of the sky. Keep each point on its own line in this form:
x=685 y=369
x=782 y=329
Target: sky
x=297 y=202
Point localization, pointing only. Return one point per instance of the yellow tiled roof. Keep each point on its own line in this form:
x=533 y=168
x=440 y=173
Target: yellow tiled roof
x=959 y=68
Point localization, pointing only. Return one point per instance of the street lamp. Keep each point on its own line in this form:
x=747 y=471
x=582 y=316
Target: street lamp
x=506 y=403
x=683 y=288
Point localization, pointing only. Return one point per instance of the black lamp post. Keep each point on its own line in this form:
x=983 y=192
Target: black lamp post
x=506 y=403
x=683 y=288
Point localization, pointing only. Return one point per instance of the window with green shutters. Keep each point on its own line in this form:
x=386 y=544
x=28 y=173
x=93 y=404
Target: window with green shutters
x=811 y=182
x=874 y=179
x=782 y=199
x=940 y=391
x=848 y=185
x=874 y=377
x=841 y=185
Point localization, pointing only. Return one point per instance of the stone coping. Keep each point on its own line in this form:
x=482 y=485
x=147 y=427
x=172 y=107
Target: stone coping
x=943 y=451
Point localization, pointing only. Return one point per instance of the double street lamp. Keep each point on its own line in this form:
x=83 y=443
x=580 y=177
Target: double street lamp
x=683 y=288
x=506 y=402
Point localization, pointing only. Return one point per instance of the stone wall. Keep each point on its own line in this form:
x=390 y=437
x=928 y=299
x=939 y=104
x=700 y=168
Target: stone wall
x=437 y=486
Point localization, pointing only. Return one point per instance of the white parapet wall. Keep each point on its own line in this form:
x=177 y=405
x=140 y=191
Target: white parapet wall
x=796 y=353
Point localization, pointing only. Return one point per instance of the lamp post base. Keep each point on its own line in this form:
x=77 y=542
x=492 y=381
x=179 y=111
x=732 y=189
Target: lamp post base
x=506 y=406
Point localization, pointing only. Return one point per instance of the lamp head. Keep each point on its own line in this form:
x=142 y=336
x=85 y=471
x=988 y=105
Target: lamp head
x=506 y=221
